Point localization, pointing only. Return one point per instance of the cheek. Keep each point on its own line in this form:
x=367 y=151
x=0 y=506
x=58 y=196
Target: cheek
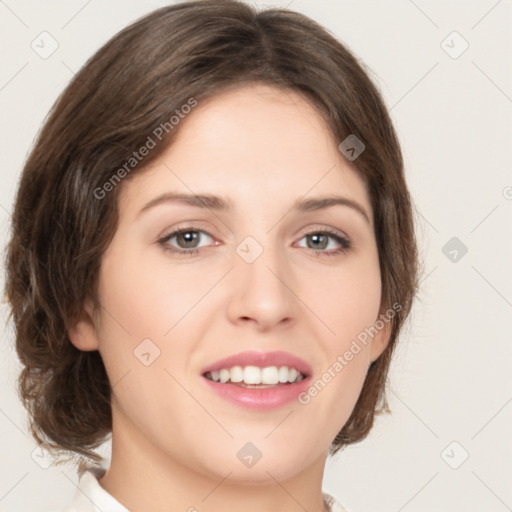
x=149 y=317
x=348 y=303
x=139 y=308
x=347 y=298
x=146 y=296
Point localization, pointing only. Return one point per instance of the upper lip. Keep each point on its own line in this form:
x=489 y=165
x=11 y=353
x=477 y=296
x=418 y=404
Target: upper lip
x=261 y=359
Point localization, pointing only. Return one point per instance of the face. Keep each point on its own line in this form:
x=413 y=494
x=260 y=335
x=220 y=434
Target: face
x=260 y=275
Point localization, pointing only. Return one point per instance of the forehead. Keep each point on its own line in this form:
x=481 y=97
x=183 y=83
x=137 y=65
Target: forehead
x=254 y=144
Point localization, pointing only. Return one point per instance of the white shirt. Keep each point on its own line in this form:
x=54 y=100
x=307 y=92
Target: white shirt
x=91 y=497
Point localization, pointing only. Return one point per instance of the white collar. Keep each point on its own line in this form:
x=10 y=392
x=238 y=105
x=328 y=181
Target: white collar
x=90 y=496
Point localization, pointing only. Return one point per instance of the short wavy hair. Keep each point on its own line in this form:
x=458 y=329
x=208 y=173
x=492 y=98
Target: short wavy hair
x=133 y=84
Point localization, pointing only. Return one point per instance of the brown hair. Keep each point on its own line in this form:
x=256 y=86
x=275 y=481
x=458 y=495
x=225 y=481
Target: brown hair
x=132 y=85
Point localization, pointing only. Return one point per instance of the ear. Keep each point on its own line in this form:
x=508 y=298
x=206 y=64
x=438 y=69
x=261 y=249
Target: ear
x=83 y=333
x=381 y=340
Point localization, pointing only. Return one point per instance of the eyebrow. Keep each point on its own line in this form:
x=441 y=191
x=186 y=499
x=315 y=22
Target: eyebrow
x=217 y=203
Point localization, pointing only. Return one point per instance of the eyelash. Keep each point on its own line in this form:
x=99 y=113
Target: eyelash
x=345 y=244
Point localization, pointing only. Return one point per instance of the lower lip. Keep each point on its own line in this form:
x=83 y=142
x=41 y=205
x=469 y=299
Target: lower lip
x=259 y=398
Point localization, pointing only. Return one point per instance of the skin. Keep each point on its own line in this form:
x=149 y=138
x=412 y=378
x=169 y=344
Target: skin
x=174 y=441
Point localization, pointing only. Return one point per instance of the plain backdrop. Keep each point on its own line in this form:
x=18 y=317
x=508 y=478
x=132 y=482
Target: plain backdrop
x=444 y=69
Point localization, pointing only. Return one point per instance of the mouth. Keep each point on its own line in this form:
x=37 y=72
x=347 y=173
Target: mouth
x=258 y=389
x=259 y=381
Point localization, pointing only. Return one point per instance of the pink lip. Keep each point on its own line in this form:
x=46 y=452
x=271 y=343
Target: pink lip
x=261 y=359
x=259 y=399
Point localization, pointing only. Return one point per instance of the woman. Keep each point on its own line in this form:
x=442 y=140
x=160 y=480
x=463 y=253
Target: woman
x=212 y=257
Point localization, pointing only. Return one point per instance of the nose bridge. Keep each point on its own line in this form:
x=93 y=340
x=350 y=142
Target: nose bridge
x=260 y=262
x=261 y=288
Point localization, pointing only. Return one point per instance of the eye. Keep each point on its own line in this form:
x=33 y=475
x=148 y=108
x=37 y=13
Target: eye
x=187 y=240
x=324 y=239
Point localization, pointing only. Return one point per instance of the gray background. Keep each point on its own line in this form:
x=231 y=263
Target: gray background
x=451 y=378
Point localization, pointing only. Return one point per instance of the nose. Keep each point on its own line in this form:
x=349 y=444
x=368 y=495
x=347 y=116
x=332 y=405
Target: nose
x=262 y=291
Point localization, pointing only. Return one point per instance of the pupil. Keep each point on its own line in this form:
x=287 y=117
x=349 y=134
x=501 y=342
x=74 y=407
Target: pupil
x=316 y=238
x=189 y=236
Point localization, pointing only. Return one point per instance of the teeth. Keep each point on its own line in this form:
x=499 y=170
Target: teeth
x=255 y=375
x=224 y=375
